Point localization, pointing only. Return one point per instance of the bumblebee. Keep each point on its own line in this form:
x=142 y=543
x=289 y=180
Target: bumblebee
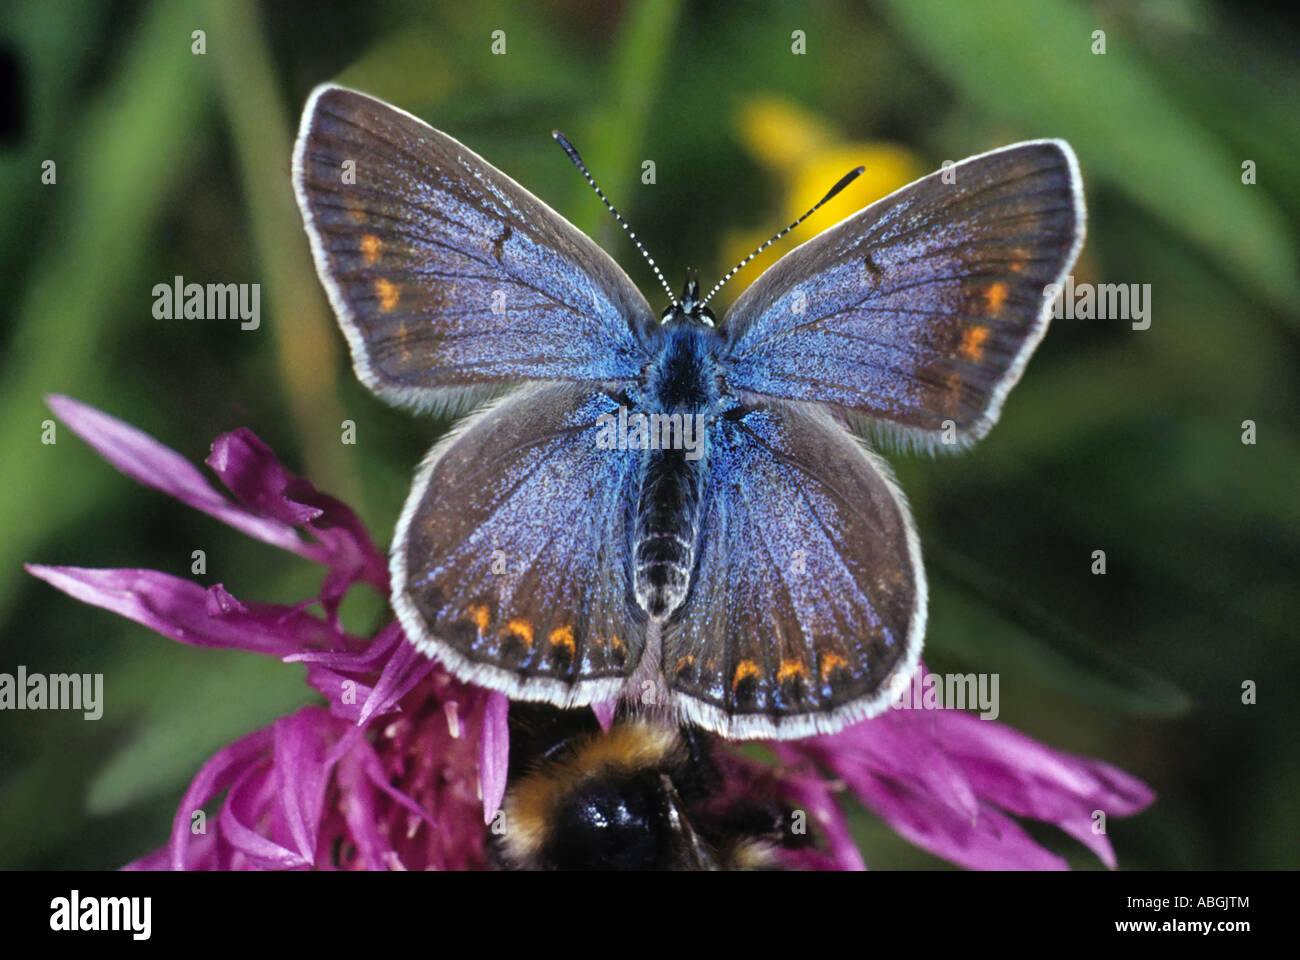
x=643 y=795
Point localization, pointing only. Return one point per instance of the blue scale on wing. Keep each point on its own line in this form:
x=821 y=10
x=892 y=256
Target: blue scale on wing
x=806 y=591
x=514 y=546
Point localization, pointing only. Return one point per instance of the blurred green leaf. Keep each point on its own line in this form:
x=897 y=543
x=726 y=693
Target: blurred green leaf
x=187 y=714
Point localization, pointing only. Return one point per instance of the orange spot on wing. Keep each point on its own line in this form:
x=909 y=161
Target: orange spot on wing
x=387 y=292
x=402 y=334
x=744 y=670
x=563 y=637
x=480 y=616
x=995 y=296
x=972 y=341
x=521 y=629
x=683 y=663
x=370 y=247
x=791 y=669
x=832 y=662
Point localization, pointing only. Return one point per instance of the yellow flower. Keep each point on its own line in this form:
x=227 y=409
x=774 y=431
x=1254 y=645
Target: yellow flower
x=780 y=134
x=808 y=156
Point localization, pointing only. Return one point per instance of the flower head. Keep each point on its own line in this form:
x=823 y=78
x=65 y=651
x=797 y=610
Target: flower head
x=403 y=765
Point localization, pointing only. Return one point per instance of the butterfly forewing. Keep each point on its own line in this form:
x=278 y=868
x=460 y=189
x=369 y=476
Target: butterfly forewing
x=921 y=310
x=809 y=596
x=444 y=272
x=509 y=563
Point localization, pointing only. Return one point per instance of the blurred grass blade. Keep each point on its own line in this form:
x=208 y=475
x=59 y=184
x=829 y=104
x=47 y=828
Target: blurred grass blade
x=614 y=146
x=306 y=342
x=113 y=186
x=984 y=623
x=1031 y=64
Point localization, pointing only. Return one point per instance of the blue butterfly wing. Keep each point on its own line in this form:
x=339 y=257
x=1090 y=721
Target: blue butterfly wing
x=510 y=559
x=445 y=274
x=809 y=596
x=923 y=308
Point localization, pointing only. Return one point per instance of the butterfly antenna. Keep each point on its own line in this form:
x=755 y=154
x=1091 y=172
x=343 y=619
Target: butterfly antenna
x=577 y=162
x=844 y=182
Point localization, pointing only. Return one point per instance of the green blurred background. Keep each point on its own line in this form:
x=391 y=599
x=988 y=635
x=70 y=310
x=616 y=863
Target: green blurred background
x=1127 y=441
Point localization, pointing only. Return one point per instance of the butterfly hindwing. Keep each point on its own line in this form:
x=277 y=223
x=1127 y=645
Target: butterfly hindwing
x=445 y=273
x=509 y=563
x=809 y=596
x=920 y=311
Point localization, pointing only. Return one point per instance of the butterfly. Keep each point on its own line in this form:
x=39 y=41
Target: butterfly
x=666 y=509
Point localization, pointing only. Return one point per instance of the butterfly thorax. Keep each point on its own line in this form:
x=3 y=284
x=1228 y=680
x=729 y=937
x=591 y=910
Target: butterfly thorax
x=681 y=392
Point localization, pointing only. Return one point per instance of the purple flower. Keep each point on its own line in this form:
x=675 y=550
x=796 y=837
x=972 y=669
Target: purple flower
x=947 y=781
x=404 y=765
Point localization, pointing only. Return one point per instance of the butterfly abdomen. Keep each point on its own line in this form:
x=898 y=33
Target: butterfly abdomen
x=682 y=383
x=668 y=513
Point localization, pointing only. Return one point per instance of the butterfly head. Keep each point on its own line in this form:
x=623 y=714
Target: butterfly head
x=689 y=306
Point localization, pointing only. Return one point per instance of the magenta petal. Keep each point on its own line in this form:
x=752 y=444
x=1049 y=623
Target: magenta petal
x=360 y=813
x=248 y=804
x=279 y=500
x=367 y=659
x=352 y=554
x=404 y=670
x=221 y=602
x=227 y=765
x=248 y=467
x=1082 y=830
x=604 y=712
x=346 y=695
x=1033 y=780
x=902 y=745
x=256 y=477
x=145 y=460
x=813 y=795
x=174 y=607
x=946 y=780
x=302 y=741
x=200 y=854
x=375 y=771
x=179 y=609
x=494 y=753
x=990 y=841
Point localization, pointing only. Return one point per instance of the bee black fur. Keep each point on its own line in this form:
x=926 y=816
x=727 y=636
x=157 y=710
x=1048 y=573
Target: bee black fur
x=642 y=796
